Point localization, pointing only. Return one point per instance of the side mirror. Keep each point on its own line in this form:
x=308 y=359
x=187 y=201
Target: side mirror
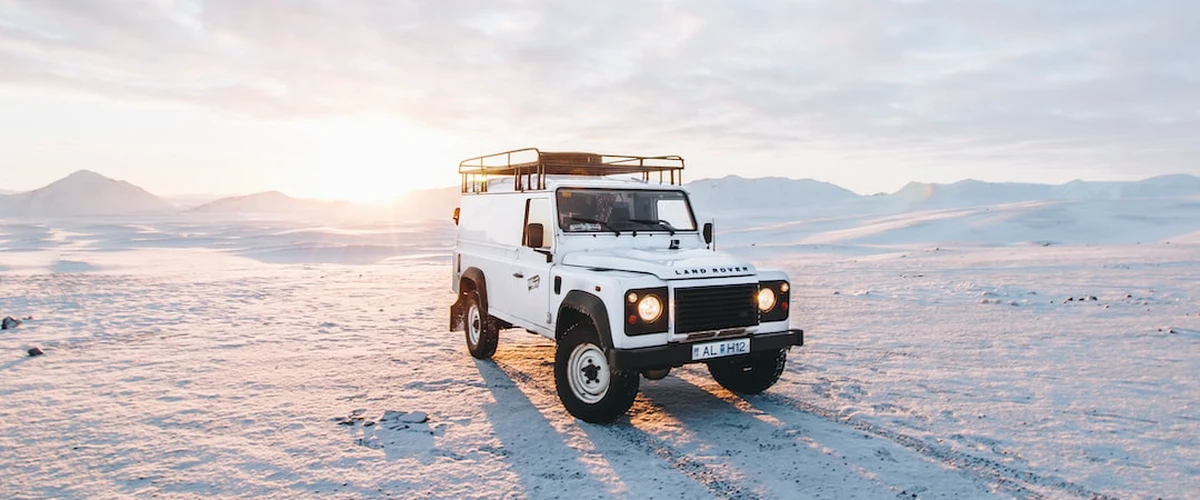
x=535 y=235
x=457 y=211
x=708 y=233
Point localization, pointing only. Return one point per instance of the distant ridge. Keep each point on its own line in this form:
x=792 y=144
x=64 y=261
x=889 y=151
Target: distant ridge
x=86 y=193
x=971 y=192
x=733 y=192
x=271 y=202
x=83 y=193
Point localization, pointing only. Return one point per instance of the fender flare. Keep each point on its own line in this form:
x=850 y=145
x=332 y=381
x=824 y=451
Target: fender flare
x=474 y=275
x=594 y=309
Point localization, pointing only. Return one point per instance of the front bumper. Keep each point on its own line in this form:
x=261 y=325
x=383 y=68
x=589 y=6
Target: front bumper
x=672 y=355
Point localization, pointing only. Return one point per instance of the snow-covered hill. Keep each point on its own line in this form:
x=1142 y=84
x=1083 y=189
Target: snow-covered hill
x=272 y=202
x=1036 y=222
x=733 y=193
x=971 y=192
x=83 y=193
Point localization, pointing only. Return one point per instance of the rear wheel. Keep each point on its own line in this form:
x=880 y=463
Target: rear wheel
x=749 y=374
x=481 y=329
x=588 y=386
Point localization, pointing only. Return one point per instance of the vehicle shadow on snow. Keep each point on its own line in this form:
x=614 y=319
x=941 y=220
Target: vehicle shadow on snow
x=529 y=443
x=710 y=440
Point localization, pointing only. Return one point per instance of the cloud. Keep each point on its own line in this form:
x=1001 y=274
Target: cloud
x=1107 y=84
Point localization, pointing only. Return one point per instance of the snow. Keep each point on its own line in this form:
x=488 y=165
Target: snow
x=1041 y=348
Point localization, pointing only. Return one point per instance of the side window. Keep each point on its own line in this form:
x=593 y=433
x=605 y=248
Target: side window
x=537 y=211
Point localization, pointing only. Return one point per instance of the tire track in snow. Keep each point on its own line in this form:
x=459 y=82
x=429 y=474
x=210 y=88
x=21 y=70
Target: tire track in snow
x=711 y=478
x=1007 y=478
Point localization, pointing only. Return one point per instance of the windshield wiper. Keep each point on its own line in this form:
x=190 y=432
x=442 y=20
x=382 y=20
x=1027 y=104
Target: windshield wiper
x=602 y=224
x=667 y=225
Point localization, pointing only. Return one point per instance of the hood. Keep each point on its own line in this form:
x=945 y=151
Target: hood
x=666 y=264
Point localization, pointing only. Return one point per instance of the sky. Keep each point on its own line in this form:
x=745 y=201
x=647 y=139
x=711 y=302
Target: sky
x=365 y=100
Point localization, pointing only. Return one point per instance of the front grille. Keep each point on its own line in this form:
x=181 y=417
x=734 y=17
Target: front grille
x=704 y=308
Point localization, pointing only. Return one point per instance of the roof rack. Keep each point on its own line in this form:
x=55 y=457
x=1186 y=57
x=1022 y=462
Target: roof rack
x=530 y=166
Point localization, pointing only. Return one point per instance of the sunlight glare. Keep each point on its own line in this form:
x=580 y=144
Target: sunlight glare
x=378 y=159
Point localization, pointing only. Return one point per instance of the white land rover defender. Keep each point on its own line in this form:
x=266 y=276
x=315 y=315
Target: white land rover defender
x=616 y=271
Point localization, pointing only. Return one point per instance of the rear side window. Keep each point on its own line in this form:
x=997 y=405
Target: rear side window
x=492 y=219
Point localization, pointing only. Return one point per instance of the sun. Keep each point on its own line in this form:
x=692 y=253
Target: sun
x=378 y=159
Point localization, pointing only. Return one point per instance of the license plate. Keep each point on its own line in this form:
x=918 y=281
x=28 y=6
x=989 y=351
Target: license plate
x=721 y=349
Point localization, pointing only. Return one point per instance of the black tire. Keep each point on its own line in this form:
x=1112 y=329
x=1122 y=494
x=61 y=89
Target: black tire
x=750 y=374
x=593 y=390
x=481 y=331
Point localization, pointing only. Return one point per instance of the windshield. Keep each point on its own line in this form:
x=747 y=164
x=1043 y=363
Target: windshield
x=620 y=210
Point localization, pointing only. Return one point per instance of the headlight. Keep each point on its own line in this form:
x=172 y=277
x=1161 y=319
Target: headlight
x=766 y=299
x=646 y=311
x=650 y=308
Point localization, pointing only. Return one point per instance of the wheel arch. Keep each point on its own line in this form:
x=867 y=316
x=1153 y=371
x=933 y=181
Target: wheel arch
x=473 y=280
x=579 y=306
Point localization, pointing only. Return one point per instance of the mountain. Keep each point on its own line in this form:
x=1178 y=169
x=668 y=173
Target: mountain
x=1165 y=186
x=83 y=193
x=733 y=193
x=272 y=202
x=971 y=192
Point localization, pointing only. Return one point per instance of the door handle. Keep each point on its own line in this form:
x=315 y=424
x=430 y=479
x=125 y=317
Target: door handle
x=518 y=275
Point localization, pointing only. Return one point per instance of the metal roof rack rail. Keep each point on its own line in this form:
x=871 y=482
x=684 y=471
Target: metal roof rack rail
x=530 y=166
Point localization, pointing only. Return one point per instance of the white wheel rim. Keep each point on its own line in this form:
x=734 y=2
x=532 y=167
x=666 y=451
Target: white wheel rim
x=587 y=371
x=474 y=324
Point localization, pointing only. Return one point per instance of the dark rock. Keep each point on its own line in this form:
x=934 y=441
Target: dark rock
x=9 y=322
x=416 y=417
x=36 y=351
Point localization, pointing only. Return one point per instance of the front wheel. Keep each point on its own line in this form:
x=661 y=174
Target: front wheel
x=750 y=374
x=589 y=387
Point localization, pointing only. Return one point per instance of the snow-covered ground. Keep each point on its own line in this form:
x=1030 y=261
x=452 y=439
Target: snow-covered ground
x=190 y=356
